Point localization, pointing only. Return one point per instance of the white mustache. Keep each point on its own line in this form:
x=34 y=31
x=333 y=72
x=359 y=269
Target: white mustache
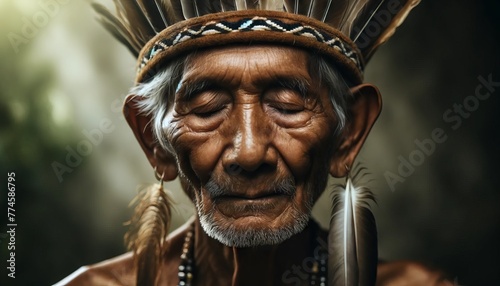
x=282 y=186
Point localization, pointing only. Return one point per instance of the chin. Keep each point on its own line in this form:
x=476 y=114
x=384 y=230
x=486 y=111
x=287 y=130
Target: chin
x=249 y=224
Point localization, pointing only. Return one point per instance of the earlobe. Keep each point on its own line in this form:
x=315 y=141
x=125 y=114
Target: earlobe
x=159 y=158
x=362 y=114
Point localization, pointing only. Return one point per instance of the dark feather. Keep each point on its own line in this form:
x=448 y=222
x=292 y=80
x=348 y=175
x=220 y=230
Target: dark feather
x=352 y=238
x=119 y=36
x=189 y=9
x=383 y=14
x=317 y=9
x=196 y=8
x=163 y=12
x=117 y=28
x=174 y=9
x=152 y=14
x=351 y=13
x=130 y=13
x=327 y=11
x=252 y=4
x=365 y=16
x=297 y=6
x=227 y=5
x=148 y=232
x=334 y=11
x=208 y=6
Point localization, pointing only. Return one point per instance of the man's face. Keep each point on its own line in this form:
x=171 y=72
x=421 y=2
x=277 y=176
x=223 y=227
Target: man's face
x=253 y=133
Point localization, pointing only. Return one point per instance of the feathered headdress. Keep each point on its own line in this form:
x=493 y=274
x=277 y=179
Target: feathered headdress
x=345 y=31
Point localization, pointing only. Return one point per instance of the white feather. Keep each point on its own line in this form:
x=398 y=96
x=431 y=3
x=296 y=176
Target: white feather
x=352 y=239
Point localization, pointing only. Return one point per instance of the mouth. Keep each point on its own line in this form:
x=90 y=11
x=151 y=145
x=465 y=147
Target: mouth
x=247 y=199
x=258 y=205
x=251 y=197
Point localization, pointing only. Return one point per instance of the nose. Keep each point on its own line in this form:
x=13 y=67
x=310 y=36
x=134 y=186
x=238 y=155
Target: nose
x=251 y=149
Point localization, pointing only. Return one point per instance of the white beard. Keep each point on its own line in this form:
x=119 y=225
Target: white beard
x=228 y=235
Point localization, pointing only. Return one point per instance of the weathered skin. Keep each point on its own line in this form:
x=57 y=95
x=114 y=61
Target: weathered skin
x=242 y=119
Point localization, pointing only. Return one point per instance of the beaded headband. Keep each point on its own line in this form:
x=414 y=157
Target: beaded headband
x=239 y=27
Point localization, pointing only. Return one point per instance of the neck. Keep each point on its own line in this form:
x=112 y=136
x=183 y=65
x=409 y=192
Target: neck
x=288 y=262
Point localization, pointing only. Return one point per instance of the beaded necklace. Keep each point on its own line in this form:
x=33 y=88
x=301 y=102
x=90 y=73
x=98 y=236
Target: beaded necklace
x=185 y=274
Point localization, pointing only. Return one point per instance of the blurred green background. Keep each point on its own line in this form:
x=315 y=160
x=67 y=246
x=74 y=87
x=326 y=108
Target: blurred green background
x=62 y=75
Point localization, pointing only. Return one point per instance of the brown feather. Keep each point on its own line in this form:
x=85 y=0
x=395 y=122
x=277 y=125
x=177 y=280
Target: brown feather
x=317 y=9
x=189 y=9
x=352 y=12
x=365 y=16
x=327 y=11
x=116 y=28
x=297 y=6
x=246 y=4
x=163 y=12
x=119 y=36
x=171 y=10
x=152 y=14
x=384 y=14
x=277 y=5
x=208 y=6
x=148 y=232
x=252 y=4
x=196 y=8
x=175 y=10
x=334 y=12
x=130 y=13
x=227 y=5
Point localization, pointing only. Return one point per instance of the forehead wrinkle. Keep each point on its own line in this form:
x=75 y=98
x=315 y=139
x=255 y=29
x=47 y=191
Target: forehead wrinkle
x=217 y=74
x=258 y=67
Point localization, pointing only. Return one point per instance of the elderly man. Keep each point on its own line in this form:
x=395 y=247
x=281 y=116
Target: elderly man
x=253 y=110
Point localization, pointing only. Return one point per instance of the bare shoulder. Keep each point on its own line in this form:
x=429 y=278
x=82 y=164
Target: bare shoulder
x=115 y=271
x=409 y=273
x=119 y=271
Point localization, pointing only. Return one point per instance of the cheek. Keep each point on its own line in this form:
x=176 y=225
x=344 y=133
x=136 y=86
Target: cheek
x=305 y=150
x=197 y=152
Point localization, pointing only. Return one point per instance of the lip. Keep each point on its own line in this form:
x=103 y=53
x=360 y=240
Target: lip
x=251 y=193
x=254 y=197
x=243 y=206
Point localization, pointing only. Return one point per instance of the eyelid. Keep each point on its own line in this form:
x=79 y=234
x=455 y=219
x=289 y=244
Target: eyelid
x=208 y=102
x=189 y=91
x=286 y=110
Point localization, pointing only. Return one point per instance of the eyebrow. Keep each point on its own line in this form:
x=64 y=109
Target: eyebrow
x=295 y=83
x=187 y=90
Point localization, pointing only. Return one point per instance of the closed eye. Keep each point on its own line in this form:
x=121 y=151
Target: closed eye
x=208 y=113
x=286 y=109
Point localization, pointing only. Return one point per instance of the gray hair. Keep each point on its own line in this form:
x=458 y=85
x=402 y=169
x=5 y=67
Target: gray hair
x=159 y=93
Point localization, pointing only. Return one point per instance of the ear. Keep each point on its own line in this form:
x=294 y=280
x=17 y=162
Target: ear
x=362 y=114
x=158 y=157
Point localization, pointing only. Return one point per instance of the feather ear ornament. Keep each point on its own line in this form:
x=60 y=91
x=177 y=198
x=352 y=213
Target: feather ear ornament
x=148 y=231
x=352 y=238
